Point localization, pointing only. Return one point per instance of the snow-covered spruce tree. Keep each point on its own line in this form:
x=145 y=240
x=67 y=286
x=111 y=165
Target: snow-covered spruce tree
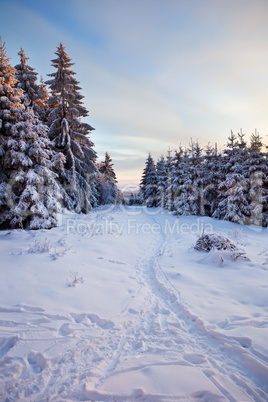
x=106 y=182
x=225 y=169
x=168 y=186
x=181 y=180
x=33 y=193
x=256 y=173
x=149 y=185
x=106 y=168
x=33 y=94
x=10 y=113
x=29 y=192
x=238 y=201
x=134 y=199
x=161 y=181
x=164 y=169
x=189 y=201
x=70 y=136
x=41 y=100
x=233 y=200
x=178 y=177
x=265 y=198
x=26 y=78
x=211 y=177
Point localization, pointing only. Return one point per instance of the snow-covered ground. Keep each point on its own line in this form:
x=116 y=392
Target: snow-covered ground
x=149 y=319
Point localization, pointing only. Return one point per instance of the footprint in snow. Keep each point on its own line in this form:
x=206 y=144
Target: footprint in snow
x=37 y=361
x=116 y=262
x=132 y=311
x=65 y=330
x=244 y=341
x=101 y=322
x=78 y=318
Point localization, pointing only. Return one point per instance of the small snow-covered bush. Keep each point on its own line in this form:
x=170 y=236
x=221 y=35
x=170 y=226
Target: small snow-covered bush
x=40 y=246
x=214 y=241
x=264 y=252
x=217 y=242
x=60 y=249
x=75 y=280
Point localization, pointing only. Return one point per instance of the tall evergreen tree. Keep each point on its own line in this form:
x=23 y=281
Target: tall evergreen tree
x=27 y=80
x=182 y=183
x=255 y=171
x=149 y=185
x=210 y=179
x=190 y=200
x=34 y=95
x=70 y=135
x=10 y=113
x=107 y=188
x=178 y=178
x=232 y=190
x=41 y=100
x=29 y=193
x=265 y=189
x=106 y=168
x=168 y=185
x=33 y=193
x=161 y=181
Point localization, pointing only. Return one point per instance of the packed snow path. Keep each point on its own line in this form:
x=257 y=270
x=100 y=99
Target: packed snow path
x=150 y=318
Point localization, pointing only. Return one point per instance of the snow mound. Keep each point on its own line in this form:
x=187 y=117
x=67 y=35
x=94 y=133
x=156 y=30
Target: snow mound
x=223 y=258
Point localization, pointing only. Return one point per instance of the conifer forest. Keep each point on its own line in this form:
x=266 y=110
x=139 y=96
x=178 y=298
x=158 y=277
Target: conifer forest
x=47 y=159
x=231 y=185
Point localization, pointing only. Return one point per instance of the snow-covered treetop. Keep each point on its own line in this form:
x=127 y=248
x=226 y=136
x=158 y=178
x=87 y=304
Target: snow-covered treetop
x=7 y=72
x=26 y=76
x=64 y=87
x=106 y=168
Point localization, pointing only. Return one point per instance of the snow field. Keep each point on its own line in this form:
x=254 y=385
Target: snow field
x=150 y=318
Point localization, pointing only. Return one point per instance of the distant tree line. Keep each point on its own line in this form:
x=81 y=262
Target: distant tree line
x=47 y=159
x=231 y=185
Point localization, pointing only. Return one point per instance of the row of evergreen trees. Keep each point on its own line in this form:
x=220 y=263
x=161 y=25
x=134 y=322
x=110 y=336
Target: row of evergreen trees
x=47 y=160
x=232 y=185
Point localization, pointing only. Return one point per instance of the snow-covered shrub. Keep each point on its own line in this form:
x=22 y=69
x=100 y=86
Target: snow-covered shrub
x=214 y=241
x=264 y=252
x=65 y=247
x=75 y=280
x=40 y=246
x=56 y=254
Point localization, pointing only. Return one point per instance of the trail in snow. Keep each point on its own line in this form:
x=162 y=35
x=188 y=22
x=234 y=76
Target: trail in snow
x=226 y=362
x=153 y=348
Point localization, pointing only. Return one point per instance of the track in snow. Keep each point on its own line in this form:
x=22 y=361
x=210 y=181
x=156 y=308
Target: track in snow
x=153 y=331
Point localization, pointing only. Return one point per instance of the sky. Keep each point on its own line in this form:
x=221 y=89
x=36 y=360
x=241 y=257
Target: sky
x=154 y=73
